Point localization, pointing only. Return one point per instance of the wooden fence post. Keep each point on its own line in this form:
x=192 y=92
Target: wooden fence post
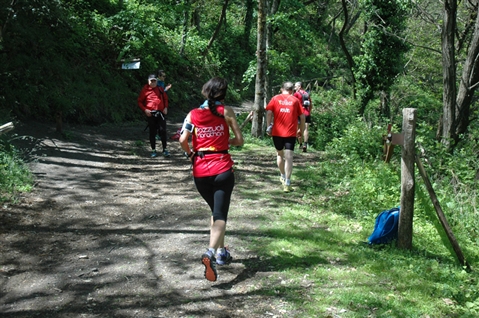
x=407 y=179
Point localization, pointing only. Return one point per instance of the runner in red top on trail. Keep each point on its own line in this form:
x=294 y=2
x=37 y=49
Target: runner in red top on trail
x=211 y=135
x=209 y=128
x=284 y=107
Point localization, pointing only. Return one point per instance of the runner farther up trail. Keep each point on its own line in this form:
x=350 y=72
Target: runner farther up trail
x=285 y=109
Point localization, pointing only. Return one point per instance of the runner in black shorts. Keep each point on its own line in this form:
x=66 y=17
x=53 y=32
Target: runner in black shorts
x=285 y=109
x=281 y=143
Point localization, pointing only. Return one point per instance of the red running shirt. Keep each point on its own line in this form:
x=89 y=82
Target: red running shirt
x=211 y=134
x=152 y=98
x=286 y=110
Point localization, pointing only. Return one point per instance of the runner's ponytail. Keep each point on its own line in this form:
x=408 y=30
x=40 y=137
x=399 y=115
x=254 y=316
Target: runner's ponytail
x=215 y=90
x=212 y=106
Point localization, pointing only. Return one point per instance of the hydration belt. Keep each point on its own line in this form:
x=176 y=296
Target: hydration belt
x=202 y=154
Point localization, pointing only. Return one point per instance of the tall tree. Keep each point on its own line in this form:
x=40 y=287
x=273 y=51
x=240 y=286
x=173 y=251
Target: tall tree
x=382 y=50
x=9 y=12
x=342 y=42
x=248 y=23
x=273 y=8
x=457 y=112
x=257 y=124
x=449 y=69
x=468 y=83
x=217 y=29
x=184 y=31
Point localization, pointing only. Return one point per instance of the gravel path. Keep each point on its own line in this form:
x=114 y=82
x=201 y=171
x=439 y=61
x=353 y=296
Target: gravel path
x=110 y=232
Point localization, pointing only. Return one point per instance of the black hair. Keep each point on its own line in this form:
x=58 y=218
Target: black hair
x=215 y=90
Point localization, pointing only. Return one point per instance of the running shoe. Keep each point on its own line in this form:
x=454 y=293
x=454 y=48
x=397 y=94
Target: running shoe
x=224 y=258
x=208 y=259
x=287 y=188
x=166 y=153
x=154 y=154
x=282 y=180
x=305 y=148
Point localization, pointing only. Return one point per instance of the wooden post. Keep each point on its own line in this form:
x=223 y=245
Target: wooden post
x=407 y=179
x=248 y=119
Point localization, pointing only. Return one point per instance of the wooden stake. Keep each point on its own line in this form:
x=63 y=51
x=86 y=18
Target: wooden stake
x=441 y=215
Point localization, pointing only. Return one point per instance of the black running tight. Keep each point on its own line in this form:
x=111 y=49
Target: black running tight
x=216 y=191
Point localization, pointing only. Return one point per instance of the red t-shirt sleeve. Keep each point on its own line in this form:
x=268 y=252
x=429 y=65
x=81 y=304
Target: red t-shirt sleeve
x=271 y=104
x=141 y=99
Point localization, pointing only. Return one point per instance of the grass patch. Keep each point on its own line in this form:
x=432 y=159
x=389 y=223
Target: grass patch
x=15 y=177
x=328 y=270
x=321 y=266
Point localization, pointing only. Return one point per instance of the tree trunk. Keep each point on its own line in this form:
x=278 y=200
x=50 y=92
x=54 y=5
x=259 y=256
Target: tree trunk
x=469 y=83
x=196 y=17
x=269 y=42
x=218 y=26
x=257 y=126
x=185 y=27
x=385 y=110
x=248 y=24
x=449 y=71
x=349 y=59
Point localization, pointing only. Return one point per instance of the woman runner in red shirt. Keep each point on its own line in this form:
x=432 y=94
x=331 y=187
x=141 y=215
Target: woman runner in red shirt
x=209 y=125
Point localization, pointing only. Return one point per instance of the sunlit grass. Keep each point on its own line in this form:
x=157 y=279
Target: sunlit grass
x=324 y=267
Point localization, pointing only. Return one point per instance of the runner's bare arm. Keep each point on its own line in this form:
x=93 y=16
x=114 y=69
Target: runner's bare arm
x=230 y=118
x=185 y=134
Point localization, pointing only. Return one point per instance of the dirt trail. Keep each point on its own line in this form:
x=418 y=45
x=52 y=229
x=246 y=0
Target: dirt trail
x=110 y=232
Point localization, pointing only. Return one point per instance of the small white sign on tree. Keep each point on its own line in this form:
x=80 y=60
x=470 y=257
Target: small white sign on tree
x=131 y=65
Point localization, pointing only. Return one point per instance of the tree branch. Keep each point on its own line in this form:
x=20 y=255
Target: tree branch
x=218 y=26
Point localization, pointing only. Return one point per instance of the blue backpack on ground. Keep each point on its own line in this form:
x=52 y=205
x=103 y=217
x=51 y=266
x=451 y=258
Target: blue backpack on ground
x=385 y=227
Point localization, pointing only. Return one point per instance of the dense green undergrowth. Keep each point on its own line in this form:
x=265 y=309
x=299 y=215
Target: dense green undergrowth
x=318 y=246
x=15 y=177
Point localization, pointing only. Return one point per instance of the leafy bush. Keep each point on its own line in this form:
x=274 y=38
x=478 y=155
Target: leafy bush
x=330 y=116
x=15 y=177
x=357 y=143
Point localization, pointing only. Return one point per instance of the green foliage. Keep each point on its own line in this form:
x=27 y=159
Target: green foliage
x=317 y=242
x=68 y=68
x=358 y=142
x=331 y=115
x=382 y=47
x=408 y=93
x=15 y=177
x=362 y=182
x=454 y=177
